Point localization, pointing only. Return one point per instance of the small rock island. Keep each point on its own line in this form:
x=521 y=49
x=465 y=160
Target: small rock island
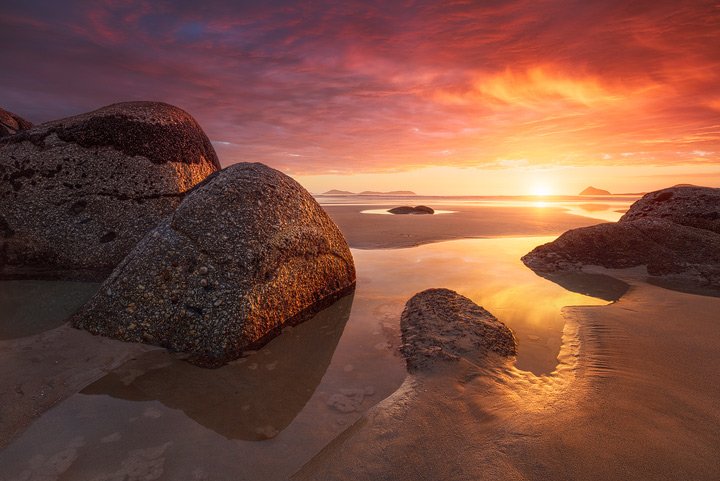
x=594 y=191
x=409 y=210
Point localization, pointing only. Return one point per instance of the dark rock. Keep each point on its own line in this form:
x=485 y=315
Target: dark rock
x=246 y=252
x=686 y=205
x=441 y=325
x=11 y=123
x=406 y=209
x=79 y=193
x=667 y=249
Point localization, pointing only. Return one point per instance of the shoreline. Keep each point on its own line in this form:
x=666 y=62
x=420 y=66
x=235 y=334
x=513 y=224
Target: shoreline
x=369 y=231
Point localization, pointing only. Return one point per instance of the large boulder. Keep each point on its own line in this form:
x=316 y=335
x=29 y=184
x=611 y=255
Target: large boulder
x=685 y=205
x=440 y=325
x=674 y=232
x=77 y=194
x=11 y=123
x=246 y=252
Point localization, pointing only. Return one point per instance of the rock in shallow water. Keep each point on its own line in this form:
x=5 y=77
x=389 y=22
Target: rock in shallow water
x=246 y=252
x=674 y=232
x=406 y=209
x=78 y=193
x=441 y=325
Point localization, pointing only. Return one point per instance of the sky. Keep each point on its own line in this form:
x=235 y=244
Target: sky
x=455 y=97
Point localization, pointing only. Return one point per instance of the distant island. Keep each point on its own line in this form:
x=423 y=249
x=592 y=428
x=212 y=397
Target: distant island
x=337 y=192
x=368 y=192
x=593 y=191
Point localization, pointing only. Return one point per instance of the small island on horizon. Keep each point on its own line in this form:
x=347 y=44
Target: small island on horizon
x=368 y=192
x=594 y=191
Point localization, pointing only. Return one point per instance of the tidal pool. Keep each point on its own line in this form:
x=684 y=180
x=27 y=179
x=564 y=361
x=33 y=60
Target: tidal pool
x=265 y=415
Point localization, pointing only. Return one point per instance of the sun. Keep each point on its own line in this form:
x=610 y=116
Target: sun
x=541 y=190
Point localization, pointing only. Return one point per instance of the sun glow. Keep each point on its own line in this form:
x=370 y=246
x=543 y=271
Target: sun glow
x=541 y=190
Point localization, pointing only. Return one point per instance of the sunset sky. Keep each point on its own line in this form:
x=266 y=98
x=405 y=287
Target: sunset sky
x=458 y=97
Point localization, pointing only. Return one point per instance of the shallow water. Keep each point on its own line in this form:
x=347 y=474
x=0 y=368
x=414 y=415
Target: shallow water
x=264 y=416
x=31 y=307
x=605 y=208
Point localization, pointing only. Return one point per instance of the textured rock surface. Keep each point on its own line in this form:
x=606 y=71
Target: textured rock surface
x=11 y=123
x=77 y=194
x=246 y=252
x=691 y=206
x=441 y=325
x=406 y=209
x=674 y=232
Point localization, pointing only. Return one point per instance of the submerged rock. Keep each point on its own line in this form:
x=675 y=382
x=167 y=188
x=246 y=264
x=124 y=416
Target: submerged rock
x=246 y=252
x=11 y=123
x=406 y=209
x=77 y=194
x=441 y=325
x=672 y=232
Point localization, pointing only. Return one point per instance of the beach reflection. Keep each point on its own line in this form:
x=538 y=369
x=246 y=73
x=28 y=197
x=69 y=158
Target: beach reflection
x=489 y=272
x=265 y=416
x=253 y=398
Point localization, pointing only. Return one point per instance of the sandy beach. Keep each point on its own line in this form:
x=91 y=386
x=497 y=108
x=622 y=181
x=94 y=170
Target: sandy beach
x=632 y=394
x=634 y=397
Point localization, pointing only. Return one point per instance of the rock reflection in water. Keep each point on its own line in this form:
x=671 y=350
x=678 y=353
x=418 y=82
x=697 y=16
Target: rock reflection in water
x=600 y=286
x=29 y=307
x=253 y=398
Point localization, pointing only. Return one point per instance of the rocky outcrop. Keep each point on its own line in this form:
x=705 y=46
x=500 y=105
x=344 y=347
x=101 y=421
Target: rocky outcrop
x=672 y=232
x=441 y=325
x=685 y=205
x=77 y=194
x=246 y=252
x=406 y=209
x=11 y=123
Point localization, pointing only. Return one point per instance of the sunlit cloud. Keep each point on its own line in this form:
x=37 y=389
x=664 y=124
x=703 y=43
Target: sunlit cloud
x=377 y=87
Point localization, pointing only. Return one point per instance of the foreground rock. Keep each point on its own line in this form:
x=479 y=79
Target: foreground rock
x=406 y=209
x=11 y=123
x=674 y=232
x=441 y=325
x=77 y=194
x=245 y=253
x=685 y=205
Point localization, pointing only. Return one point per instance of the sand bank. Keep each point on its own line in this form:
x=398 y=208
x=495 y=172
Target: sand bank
x=634 y=397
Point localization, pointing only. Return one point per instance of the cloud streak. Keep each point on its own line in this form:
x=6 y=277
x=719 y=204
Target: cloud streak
x=367 y=86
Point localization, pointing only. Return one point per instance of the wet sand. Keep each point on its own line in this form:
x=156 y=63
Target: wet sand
x=634 y=397
x=373 y=231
